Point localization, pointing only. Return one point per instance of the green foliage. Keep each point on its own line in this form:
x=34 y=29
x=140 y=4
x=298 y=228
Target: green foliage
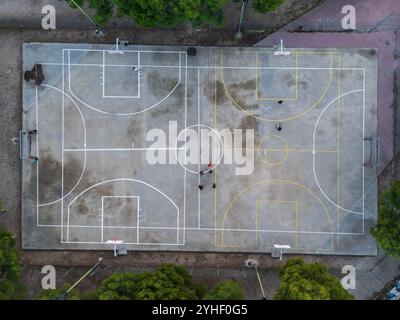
x=168 y=282
x=264 y=6
x=164 y=13
x=90 y=295
x=387 y=230
x=302 y=281
x=104 y=10
x=10 y=268
x=56 y=294
x=2 y=207
x=225 y=290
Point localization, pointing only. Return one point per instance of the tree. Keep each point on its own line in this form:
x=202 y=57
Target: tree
x=302 y=281
x=225 y=290
x=57 y=294
x=264 y=6
x=10 y=268
x=164 y=13
x=168 y=282
x=387 y=229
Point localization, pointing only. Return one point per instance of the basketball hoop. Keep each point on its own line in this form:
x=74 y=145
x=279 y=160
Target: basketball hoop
x=280 y=50
x=118 y=249
x=279 y=249
x=117 y=50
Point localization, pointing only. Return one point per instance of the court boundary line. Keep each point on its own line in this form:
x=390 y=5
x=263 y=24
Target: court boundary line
x=211 y=229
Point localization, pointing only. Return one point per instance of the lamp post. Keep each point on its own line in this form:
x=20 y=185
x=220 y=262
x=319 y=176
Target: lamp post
x=98 y=31
x=251 y=263
x=238 y=34
x=65 y=294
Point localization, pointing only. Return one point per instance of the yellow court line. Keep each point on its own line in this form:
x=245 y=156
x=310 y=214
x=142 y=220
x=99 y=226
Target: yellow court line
x=338 y=156
x=271 y=51
x=284 y=149
x=272 y=181
x=274 y=120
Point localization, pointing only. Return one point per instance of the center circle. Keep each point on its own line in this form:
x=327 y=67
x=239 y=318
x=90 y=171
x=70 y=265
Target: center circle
x=273 y=150
x=200 y=150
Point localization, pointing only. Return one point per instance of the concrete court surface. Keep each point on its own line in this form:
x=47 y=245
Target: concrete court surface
x=311 y=185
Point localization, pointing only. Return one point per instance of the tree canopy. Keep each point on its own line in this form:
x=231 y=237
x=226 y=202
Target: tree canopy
x=10 y=268
x=225 y=290
x=264 y=6
x=302 y=281
x=152 y=13
x=168 y=282
x=387 y=229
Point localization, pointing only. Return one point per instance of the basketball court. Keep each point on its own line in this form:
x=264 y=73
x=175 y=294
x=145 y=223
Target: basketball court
x=293 y=154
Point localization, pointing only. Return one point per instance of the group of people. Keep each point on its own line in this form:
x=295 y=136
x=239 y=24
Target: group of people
x=209 y=171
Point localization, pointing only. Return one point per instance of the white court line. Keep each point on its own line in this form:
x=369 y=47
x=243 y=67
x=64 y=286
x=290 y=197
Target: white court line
x=62 y=144
x=184 y=174
x=102 y=220
x=363 y=167
x=120 y=149
x=139 y=76
x=212 y=229
x=313 y=162
x=104 y=73
x=138 y=221
x=140 y=244
x=198 y=165
x=135 y=51
x=37 y=148
x=117 y=114
x=118 y=180
x=85 y=157
x=206 y=67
